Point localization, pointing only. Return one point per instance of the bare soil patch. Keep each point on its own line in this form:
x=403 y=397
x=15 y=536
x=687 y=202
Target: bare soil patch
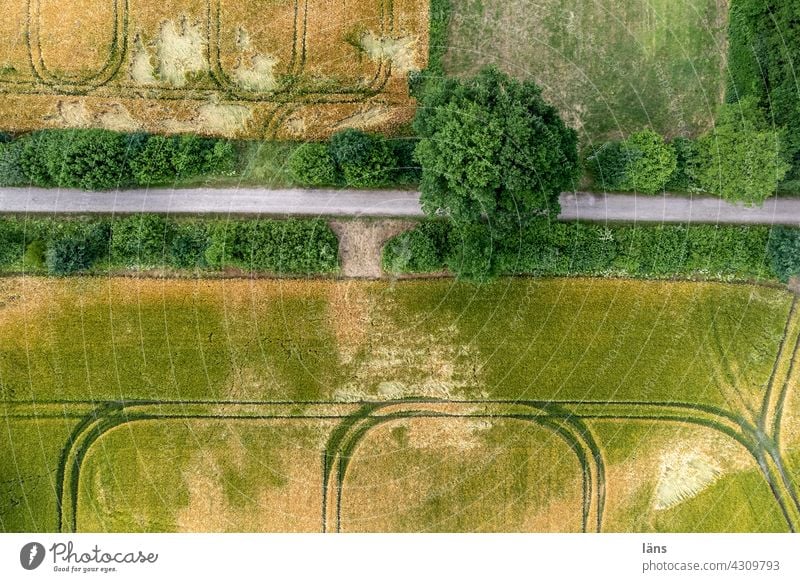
x=360 y=244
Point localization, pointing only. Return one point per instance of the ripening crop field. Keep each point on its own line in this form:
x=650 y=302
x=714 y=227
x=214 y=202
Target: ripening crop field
x=280 y=405
x=261 y=68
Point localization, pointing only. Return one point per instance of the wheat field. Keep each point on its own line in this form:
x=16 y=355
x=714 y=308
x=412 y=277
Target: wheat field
x=293 y=69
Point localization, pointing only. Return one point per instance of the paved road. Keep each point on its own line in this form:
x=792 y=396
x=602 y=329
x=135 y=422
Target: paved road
x=630 y=208
x=386 y=203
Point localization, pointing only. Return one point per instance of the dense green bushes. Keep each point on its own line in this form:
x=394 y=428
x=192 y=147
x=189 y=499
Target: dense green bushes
x=11 y=173
x=764 y=57
x=287 y=246
x=642 y=163
x=555 y=249
x=311 y=164
x=419 y=250
x=784 y=252
x=96 y=159
x=652 y=162
x=75 y=246
x=440 y=11
x=742 y=160
x=355 y=159
x=364 y=160
x=62 y=247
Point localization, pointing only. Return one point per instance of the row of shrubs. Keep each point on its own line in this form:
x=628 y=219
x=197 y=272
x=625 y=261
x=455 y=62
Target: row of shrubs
x=355 y=159
x=67 y=246
x=764 y=55
x=97 y=159
x=742 y=159
x=561 y=249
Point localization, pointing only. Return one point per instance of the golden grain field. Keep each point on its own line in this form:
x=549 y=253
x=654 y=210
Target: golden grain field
x=294 y=69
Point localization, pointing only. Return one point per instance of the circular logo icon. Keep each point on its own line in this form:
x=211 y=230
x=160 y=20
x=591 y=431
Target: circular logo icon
x=31 y=555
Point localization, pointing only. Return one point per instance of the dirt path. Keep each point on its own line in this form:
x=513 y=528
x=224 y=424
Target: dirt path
x=360 y=244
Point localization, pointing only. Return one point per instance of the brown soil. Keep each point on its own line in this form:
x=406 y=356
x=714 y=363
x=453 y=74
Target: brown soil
x=360 y=244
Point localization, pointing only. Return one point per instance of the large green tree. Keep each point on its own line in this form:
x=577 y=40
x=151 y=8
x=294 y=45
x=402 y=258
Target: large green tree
x=492 y=148
x=743 y=159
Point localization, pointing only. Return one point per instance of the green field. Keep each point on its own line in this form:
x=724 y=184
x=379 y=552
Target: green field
x=523 y=405
x=611 y=66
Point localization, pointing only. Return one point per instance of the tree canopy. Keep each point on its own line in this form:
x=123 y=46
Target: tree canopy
x=492 y=148
x=743 y=159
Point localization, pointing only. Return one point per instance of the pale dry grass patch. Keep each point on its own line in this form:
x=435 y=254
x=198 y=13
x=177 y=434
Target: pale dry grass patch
x=217 y=67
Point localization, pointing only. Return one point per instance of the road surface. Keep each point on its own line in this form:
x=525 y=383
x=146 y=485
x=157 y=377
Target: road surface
x=381 y=203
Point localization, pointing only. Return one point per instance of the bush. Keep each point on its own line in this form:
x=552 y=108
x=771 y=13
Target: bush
x=11 y=170
x=153 y=163
x=92 y=159
x=289 y=247
x=311 y=164
x=471 y=252
x=76 y=246
x=67 y=246
x=140 y=241
x=440 y=11
x=546 y=248
x=684 y=179
x=34 y=257
x=222 y=249
x=643 y=163
x=764 y=52
x=607 y=166
x=420 y=250
x=406 y=168
x=651 y=162
x=784 y=252
x=365 y=160
x=192 y=155
x=190 y=241
x=742 y=160
x=221 y=159
x=12 y=242
x=33 y=159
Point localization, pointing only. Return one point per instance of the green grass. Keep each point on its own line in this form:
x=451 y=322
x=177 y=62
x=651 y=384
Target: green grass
x=221 y=474
x=739 y=500
x=568 y=339
x=99 y=339
x=611 y=66
x=261 y=163
x=29 y=452
x=455 y=475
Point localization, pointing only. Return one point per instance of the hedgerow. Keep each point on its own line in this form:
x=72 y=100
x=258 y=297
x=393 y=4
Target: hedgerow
x=763 y=60
x=356 y=159
x=784 y=252
x=547 y=248
x=311 y=164
x=276 y=246
x=96 y=159
x=642 y=163
x=67 y=246
x=742 y=160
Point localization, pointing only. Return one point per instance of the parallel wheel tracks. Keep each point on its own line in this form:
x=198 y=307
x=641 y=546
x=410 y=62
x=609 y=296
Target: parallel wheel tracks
x=566 y=419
